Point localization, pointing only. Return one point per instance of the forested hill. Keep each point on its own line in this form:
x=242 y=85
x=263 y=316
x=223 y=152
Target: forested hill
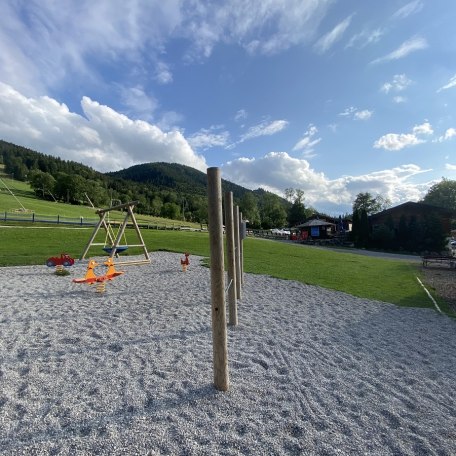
x=162 y=189
x=158 y=176
x=172 y=176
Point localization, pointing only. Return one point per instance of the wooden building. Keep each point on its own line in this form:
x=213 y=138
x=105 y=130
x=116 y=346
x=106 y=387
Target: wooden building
x=409 y=210
x=315 y=229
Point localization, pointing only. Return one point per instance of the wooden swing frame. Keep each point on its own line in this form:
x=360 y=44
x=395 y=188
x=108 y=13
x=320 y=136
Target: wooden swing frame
x=115 y=242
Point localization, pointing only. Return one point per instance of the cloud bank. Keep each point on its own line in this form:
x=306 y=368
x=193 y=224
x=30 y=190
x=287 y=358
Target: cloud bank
x=101 y=138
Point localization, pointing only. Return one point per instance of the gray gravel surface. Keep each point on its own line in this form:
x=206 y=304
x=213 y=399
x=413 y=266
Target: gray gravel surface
x=129 y=371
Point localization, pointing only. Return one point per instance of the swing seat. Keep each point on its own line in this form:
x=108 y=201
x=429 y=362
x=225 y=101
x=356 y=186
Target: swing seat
x=120 y=248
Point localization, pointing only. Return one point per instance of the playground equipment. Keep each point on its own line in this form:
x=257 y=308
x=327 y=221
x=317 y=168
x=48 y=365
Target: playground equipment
x=63 y=260
x=112 y=242
x=90 y=276
x=185 y=262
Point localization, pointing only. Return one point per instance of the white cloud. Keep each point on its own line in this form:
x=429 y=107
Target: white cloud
x=137 y=102
x=406 y=48
x=170 y=121
x=394 y=141
x=306 y=143
x=52 y=45
x=451 y=83
x=348 y=112
x=450 y=167
x=423 y=129
x=449 y=133
x=399 y=83
x=288 y=23
x=42 y=46
x=399 y=99
x=163 y=74
x=265 y=128
x=277 y=171
x=329 y=39
x=408 y=9
x=208 y=138
x=103 y=139
x=356 y=113
x=363 y=115
x=364 y=38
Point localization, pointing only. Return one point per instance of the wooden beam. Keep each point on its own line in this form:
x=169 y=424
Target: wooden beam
x=219 y=338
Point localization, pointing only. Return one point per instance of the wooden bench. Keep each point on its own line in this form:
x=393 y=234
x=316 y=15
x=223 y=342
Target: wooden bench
x=439 y=259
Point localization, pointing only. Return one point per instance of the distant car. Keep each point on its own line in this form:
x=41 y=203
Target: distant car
x=64 y=259
x=280 y=232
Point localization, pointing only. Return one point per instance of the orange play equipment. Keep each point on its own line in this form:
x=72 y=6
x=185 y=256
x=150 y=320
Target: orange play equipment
x=111 y=272
x=185 y=262
x=90 y=276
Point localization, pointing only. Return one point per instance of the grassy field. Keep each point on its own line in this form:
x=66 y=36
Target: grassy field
x=373 y=278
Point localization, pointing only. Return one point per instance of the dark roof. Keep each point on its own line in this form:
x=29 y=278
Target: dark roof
x=315 y=222
x=423 y=206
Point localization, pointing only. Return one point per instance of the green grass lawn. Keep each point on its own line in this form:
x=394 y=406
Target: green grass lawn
x=373 y=278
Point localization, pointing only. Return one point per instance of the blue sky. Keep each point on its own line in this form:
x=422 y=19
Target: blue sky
x=334 y=97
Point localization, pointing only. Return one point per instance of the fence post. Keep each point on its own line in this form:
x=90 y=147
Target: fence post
x=219 y=339
x=229 y=224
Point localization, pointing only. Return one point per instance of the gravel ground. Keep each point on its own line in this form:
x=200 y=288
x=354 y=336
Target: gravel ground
x=443 y=281
x=129 y=371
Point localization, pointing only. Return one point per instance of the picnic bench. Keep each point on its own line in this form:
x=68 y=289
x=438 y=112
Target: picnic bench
x=439 y=259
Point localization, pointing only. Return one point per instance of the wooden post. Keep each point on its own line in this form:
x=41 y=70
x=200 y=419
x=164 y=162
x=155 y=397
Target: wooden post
x=215 y=222
x=241 y=245
x=237 y=250
x=229 y=224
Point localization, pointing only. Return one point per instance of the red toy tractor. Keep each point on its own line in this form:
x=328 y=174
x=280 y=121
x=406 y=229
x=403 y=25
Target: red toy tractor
x=64 y=259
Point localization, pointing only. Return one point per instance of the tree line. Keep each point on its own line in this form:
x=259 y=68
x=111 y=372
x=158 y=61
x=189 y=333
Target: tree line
x=179 y=192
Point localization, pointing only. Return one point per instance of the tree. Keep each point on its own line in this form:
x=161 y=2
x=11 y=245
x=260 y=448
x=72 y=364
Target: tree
x=289 y=194
x=369 y=203
x=171 y=211
x=272 y=212
x=442 y=194
x=297 y=213
x=355 y=227
x=402 y=233
x=434 y=237
x=415 y=235
x=249 y=209
x=383 y=237
x=156 y=205
x=42 y=183
x=299 y=198
x=363 y=236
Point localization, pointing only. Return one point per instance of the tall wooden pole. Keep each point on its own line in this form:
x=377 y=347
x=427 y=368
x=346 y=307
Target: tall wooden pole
x=229 y=224
x=215 y=223
x=237 y=250
x=241 y=245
